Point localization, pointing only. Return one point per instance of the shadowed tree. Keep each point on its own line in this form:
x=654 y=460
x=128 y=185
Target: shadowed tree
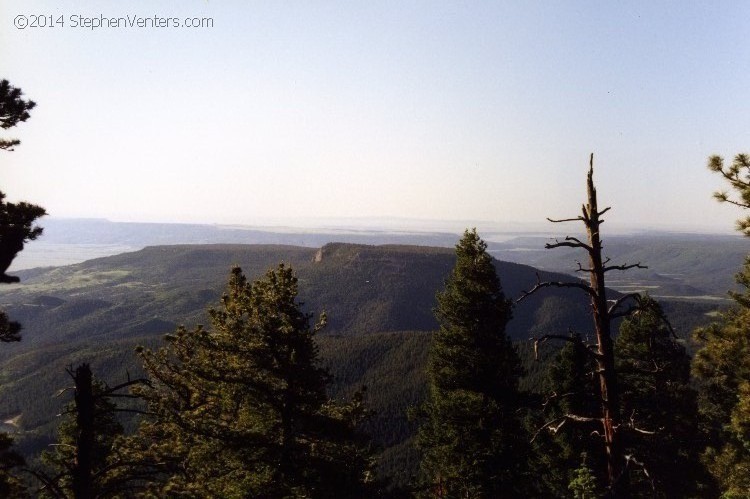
x=571 y=386
x=470 y=435
x=83 y=459
x=16 y=228
x=654 y=372
x=16 y=219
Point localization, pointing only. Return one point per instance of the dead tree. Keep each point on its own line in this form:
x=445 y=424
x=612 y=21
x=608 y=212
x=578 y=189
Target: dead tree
x=603 y=313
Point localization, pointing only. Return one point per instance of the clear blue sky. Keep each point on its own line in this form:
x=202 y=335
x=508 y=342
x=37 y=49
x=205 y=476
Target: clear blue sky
x=483 y=111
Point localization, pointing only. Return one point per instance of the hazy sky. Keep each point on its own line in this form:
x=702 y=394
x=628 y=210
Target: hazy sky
x=481 y=111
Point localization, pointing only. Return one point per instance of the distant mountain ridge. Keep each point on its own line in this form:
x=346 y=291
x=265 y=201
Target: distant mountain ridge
x=680 y=264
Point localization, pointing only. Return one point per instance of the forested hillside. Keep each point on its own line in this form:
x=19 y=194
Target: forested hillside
x=379 y=301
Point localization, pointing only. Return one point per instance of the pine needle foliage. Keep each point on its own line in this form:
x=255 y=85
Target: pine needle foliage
x=241 y=410
x=662 y=435
x=722 y=368
x=470 y=434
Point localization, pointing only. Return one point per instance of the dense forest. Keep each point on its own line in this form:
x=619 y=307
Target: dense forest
x=407 y=372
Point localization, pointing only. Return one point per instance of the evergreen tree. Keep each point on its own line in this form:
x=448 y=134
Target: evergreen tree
x=16 y=220
x=662 y=434
x=470 y=435
x=722 y=367
x=16 y=228
x=738 y=176
x=11 y=485
x=241 y=410
x=572 y=388
x=13 y=110
x=81 y=458
x=583 y=484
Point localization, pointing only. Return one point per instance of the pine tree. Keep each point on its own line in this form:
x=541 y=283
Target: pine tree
x=583 y=484
x=662 y=437
x=572 y=387
x=16 y=228
x=722 y=365
x=722 y=368
x=470 y=435
x=11 y=485
x=16 y=220
x=241 y=410
x=738 y=176
x=81 y=458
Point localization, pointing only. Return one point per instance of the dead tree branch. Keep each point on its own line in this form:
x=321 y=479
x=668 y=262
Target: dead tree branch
x=570 y=242
x=557 y=423
x=623 y=267
x=555 y=284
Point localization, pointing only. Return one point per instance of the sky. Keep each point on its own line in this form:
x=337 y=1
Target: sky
x=286 y=111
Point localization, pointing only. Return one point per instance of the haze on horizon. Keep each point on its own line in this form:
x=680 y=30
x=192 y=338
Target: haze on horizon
x=481 y=111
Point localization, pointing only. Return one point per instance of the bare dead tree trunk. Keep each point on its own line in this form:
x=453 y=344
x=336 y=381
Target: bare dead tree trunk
x=602 y=313
x=610 y=395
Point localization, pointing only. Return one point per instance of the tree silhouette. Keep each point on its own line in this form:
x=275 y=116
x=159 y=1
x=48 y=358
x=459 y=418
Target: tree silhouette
x=13 y=110
x=16 y=228
x=16 y=219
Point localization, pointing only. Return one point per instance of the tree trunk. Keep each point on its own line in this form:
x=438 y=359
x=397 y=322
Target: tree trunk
x=606 y=359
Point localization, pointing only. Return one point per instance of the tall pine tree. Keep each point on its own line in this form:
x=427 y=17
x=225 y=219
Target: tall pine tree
x=470 y=435
x=16 y=228
x=722 y=368
x=662 y=433
x=80 y=461
x=571 y=387
x=722 y=365
x=241 y=410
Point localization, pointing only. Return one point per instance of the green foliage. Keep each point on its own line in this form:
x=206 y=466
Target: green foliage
x=469 y=433
x=16 y=228
x=662 y=433
x=242 y=410
x=62 y=459
x=722 y=368
x=98 y=311
x=11 y=485
x=570 y=388
x=584 y=484
x=738 y=176
x=13 y=110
